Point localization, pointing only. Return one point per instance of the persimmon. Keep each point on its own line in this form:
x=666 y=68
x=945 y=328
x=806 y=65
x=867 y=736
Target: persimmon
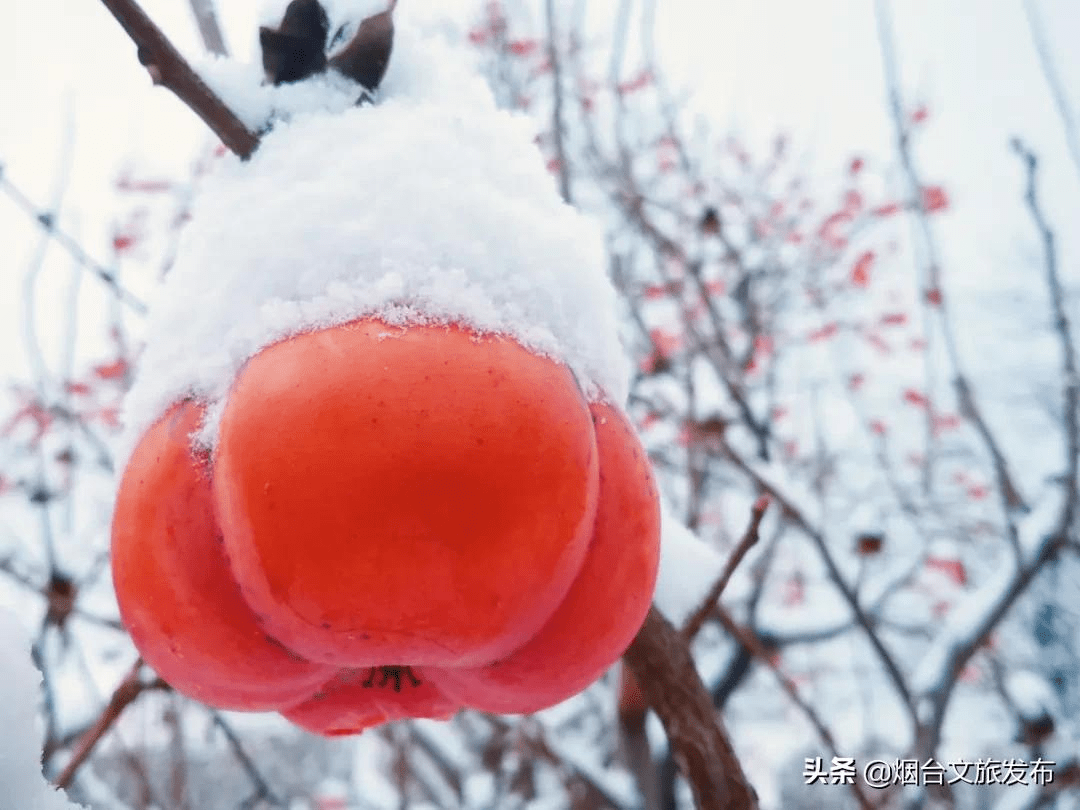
x=418 y=496
x=175 y=590
x=356 y=699
x=394 y=522
x=606 y=604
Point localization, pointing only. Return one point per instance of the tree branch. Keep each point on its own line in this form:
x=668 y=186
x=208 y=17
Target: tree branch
x=125 y=694
x=1053 y=81
x=209 y=29
x=818 y=539
x=749 y=540
x=168 y=68
x=557 y=124
x=1071 y=392
x=750 y=641
x=47 y=221
x=660 y=660
x=1012 y=500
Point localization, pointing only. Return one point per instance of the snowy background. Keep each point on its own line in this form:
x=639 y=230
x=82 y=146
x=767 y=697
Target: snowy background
x=836 y=343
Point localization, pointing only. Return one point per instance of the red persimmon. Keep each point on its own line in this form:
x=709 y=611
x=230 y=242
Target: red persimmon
x=176 y=592
x=396 y=522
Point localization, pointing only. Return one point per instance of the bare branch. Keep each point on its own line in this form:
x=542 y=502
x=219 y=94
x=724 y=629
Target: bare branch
x=1012 y=500
x=125 y=694
x=167 y=67
x=1071 y=378
x=206 y=19
x=861 y=617
x=1053 y=80
x=749 y=540
x=557 y=124
x=751 y=642
x=262 y=787
x=47 y=220
x=660 y=660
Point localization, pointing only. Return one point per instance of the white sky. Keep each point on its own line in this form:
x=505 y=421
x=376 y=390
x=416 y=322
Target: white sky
x=810 y=69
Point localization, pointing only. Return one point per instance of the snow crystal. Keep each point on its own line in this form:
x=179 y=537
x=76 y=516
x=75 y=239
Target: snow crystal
x=23 y=785
x=431 y=206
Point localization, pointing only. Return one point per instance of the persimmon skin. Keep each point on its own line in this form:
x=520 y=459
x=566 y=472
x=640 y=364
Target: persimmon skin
x=605 y=606
x=421 y=495
x=174 y=587
x=357 y=699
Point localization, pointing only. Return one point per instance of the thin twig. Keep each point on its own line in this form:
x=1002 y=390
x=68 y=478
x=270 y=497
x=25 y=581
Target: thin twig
x=751 y=642
x=818 y=539
x=168 y=68
x=209 y=29
x=1012 y=501
x=660 y=660
x=1070 y=376
x=749 y=540
x=125 y=694
x=1053 y=81
x=262 y=787
x=557 y=124
x=47 y=221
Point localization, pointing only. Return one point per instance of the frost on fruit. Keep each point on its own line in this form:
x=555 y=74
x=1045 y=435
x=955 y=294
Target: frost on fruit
x=382 y=398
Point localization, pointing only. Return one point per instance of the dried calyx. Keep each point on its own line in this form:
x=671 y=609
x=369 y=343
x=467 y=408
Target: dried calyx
x=298 y=48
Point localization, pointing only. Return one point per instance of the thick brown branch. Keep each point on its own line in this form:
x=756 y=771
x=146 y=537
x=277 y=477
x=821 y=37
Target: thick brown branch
x=660 y=660
x=749 y=540
x=169 y=68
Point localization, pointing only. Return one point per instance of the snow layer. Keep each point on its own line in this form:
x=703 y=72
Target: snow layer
x=22 y=785
x=431 y=206
x=689 y=567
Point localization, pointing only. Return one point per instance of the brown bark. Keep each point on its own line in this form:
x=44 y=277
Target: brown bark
x=660 y=659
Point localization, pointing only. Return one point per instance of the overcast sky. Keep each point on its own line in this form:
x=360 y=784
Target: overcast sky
x=810 y=69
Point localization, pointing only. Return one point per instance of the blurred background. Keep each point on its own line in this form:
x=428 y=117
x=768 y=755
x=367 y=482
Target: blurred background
x=847 y=238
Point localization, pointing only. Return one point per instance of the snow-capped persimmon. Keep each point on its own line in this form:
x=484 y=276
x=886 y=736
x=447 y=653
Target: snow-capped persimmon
x=175 y=590
x=420 y=495
x=395 y=522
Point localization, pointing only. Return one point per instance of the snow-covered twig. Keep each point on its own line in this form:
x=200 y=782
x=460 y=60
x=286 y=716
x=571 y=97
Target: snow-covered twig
x=167 y=67
x=1070 y=375
x=749 y=540
x=972 y=621
x=797 y=517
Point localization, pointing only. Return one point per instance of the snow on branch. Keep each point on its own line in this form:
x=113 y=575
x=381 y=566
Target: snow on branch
x=167 y=67
x=972 y=621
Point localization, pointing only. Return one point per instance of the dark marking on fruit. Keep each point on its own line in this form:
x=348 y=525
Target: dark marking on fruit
x=395 y=672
